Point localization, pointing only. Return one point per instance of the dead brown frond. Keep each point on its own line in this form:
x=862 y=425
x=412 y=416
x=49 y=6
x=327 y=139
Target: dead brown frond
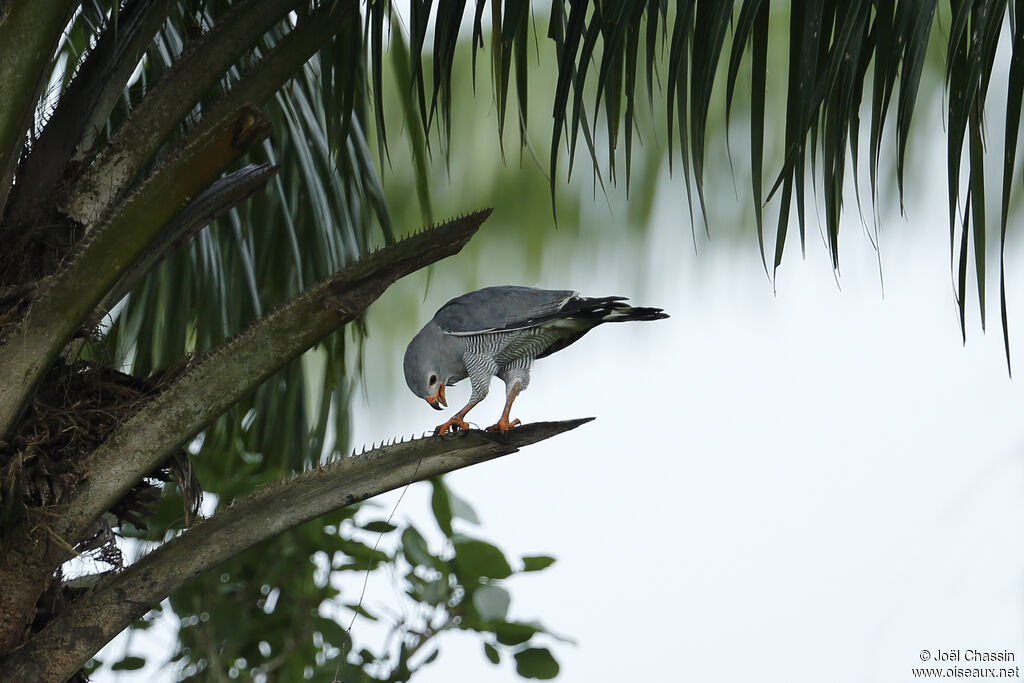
x=75 y=409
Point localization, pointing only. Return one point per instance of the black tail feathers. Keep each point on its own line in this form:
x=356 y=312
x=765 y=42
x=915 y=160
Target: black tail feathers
x=618 y=312
x=592 y=312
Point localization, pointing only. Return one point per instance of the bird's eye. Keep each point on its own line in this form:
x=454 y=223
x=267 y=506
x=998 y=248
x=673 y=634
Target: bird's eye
x=433 y=380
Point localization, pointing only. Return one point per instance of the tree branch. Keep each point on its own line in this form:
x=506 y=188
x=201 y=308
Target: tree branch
x=28 y=34
x=87 y=102
x=237 y=368
x=77 y=633
x=225 y=194
x=59 y=310
x=212 y=203
x=137 y=141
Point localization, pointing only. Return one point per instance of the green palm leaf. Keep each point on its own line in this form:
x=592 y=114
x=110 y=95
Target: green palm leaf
x=835 y=49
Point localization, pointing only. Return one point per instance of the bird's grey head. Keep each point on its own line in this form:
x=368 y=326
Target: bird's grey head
x=432 y=361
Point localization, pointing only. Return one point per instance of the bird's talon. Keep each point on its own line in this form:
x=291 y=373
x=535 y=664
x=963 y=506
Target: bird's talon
x=452 y=425
x=503 y=425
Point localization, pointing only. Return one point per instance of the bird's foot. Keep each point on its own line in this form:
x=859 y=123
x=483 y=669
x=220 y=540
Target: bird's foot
x=503 y=425
x=451 y=425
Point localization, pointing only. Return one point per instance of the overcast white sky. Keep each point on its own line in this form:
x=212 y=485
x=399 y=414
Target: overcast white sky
x=803 y=487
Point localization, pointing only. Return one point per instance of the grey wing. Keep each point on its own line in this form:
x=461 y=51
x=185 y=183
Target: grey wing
x=508 y=307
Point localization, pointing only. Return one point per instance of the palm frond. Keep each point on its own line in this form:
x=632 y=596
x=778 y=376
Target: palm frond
x=275 y=244
x=836 y=52
x=1014 y=99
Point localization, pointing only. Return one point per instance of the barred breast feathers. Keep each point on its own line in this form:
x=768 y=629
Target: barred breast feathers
x=508 y=346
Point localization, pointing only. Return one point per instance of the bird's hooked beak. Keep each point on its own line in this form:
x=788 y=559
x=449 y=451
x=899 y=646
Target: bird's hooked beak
x=437 y=401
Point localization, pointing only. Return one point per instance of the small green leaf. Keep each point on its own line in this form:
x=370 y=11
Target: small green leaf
x=492 y=653
x=441 y=505
x=534 y=563
x=361 y=611
x=433 y=592
x=446 y=505
x=475 y=559
x=367 y=556
x=536 y=662
x=514 y=633
x=414 y=547
x=491 y=602
x=129 y=664
x=462 y=509
x=142 y=624
x=379 y=526
x=436 y=592
x=332 y=632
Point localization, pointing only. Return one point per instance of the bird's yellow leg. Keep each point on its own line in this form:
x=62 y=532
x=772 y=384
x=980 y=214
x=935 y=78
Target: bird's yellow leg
x=456 y=422
x=503 y=425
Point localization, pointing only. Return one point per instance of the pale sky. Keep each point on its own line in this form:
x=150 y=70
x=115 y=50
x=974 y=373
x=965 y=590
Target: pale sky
x=814 y=485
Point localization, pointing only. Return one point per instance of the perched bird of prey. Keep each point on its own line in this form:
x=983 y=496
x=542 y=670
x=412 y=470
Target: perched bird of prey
x=500 y=331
